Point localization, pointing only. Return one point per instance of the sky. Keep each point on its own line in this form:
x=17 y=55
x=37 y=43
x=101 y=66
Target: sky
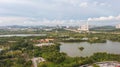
x=59 y=12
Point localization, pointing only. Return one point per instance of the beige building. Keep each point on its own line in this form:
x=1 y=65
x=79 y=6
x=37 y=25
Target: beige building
x=84 y=28
x=118 y=26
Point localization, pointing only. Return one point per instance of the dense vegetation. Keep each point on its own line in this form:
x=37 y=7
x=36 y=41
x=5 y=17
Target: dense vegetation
x=17 y=55
x=18 y=51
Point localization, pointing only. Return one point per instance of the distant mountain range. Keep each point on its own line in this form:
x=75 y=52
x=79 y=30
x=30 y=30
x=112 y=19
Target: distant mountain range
x=103 y=28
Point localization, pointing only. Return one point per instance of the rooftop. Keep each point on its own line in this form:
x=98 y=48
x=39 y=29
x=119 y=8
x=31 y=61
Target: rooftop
x=104 y=64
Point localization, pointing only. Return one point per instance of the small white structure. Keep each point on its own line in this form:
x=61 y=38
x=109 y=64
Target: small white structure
x=84 y=28
x=37 y=60
x=117 y=26
x=105 y=64
x=84 y=38
x=1 y=49
x=44 y=44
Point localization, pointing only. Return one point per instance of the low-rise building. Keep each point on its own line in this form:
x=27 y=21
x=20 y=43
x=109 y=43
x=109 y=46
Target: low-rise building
x=1 y=49
x=117 y=26
x=44 y=40
x=37 y=60
x=104 y=64
x=44 y=44
x=84 y=28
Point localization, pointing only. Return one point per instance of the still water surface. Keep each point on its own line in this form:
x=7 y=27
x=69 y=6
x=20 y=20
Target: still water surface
x=22 y=35
x=72 y=49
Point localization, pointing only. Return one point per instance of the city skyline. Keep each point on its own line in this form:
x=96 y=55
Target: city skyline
x=59 y=12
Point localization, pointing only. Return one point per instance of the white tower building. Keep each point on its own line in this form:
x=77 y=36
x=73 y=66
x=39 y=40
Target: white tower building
x=84 y=28
x=118 y=26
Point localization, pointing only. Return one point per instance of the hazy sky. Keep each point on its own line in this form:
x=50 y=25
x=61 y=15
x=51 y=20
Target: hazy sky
x=59 y=12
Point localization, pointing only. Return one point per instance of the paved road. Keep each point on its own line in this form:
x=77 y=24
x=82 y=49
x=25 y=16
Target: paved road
x=37 y=60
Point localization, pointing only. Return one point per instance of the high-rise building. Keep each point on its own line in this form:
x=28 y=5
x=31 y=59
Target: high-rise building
x=118 y=26
x=84 y=28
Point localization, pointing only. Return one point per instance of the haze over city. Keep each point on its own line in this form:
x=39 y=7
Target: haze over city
x=59 y=12
x=59 y=33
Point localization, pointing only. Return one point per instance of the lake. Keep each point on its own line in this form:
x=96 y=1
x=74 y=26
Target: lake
x=72 y=49
x=22 y=35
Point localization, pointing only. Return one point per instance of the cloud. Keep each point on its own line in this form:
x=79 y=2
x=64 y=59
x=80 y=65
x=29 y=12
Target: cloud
x=52 y=9
x=52 y=22
x=0 y=21
x=10 y=20
x=101 y=4
x=109 y=18
x=84 y=4
x=28 y=21
x=14 y=1
x=95 y=3
x=56 y=12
